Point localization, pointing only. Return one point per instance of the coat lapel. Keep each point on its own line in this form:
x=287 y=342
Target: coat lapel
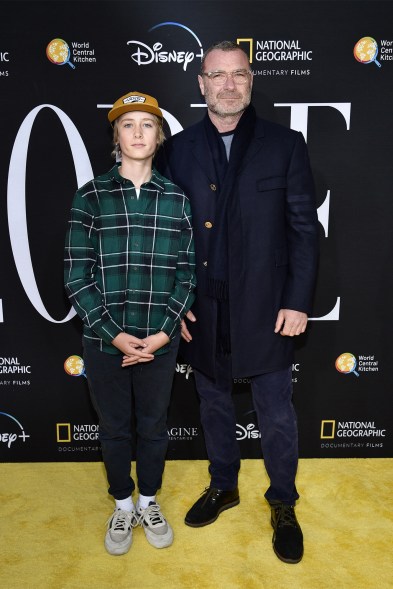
x=255 y=146
x=201 y=152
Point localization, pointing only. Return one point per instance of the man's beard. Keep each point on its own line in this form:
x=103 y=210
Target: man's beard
x=222 y=110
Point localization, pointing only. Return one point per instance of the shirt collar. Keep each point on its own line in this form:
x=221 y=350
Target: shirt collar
x=156 y=178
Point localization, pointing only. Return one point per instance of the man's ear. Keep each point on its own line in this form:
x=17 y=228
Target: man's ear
x=201 y=85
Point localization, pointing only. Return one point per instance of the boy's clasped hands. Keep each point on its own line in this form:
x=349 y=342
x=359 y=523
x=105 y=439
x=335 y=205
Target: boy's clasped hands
x=137 y=350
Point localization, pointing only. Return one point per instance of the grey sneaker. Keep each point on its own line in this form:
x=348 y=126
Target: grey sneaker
x=118 y=537
x=157 y=530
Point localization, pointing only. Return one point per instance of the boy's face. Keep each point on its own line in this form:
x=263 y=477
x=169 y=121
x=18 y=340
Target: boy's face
x=137 y=135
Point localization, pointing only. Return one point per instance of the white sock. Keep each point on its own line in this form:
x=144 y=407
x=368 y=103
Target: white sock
x=144 y=500
x=125 y=504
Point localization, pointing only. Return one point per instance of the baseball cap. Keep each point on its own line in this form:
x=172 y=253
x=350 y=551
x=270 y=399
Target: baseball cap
x=134 y=101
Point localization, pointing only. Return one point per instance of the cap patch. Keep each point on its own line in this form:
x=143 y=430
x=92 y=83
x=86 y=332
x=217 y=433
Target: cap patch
x=131 y=99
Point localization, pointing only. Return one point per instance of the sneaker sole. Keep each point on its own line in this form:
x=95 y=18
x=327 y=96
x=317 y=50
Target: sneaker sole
x=117 y=548
x=223 y=508
x=159 y=541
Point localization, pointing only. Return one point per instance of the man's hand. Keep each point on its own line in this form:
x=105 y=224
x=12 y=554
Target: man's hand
x=290 y=322
x=133 y=348
x=186 y=335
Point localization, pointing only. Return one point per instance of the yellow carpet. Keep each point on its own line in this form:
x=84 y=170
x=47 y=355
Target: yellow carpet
x=53 y=523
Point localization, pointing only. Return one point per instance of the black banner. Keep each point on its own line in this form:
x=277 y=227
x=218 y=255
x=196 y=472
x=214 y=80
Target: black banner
x=323 y=68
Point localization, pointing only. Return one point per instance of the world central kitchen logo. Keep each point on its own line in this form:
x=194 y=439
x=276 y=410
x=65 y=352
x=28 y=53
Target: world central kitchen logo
x=184 y=46
x=347 y=363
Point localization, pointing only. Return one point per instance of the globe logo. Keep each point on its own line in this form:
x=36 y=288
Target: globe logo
x=74 y=366
x=346 y=363
x=366 y=51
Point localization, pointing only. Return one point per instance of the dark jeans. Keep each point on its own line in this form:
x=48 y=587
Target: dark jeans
x=272 y=398
x=116 y=393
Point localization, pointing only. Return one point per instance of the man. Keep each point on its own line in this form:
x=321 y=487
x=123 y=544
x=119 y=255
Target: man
x=255 y=228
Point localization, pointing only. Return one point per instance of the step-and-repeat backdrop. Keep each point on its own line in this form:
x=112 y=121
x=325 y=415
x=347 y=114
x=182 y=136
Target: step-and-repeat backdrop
x=324 y=68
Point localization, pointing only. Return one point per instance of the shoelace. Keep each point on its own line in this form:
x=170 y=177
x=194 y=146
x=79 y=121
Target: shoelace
x=212 y=494
x=285 y=516
x=154 y=514
x=123 y=520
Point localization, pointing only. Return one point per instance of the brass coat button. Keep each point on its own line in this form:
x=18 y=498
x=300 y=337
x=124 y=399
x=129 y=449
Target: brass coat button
x=205 y=263
x=208 y=225
x=213 y=187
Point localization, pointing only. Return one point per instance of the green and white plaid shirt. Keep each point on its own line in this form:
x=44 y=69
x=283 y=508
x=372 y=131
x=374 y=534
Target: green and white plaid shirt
x=129 y=261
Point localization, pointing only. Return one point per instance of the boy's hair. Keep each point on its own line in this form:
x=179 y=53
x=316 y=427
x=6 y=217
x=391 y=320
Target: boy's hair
x=222 y=46
x=160 y=139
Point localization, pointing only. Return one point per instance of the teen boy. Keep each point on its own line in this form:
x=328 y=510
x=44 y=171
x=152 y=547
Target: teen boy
x=129 y=273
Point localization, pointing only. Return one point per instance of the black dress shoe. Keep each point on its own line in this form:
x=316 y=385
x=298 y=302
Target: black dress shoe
x=287 y=537
x=208 y=507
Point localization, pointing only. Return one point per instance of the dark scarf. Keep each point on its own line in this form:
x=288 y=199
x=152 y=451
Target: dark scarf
x=227 y=214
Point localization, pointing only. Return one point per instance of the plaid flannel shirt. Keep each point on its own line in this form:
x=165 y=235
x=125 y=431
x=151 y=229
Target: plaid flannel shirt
x=129 y=262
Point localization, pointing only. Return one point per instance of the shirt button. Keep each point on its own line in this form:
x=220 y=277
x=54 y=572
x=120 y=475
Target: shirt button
x=205 y=263
x=208 y=224
x=213 y=187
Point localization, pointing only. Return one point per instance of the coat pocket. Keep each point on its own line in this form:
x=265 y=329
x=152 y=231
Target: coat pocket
x=274 y=183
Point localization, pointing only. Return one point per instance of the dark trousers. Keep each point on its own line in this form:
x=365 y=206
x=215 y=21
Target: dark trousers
x=119 y=395
x=272 y=398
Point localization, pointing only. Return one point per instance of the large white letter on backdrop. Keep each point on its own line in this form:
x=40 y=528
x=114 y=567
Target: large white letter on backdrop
x=16 y=199
x=299 y=122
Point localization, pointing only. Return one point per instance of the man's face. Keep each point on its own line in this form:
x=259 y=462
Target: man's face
x=230 y=98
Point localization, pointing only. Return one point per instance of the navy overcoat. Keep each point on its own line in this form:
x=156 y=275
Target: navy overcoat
x=277 y=265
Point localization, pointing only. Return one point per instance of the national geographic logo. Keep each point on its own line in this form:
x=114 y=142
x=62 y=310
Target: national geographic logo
x=63 y=433
x=13 y=366
x=67 y=434
x=273 y=50
x=328 y=427
x=4 y=58
x=331 y=429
